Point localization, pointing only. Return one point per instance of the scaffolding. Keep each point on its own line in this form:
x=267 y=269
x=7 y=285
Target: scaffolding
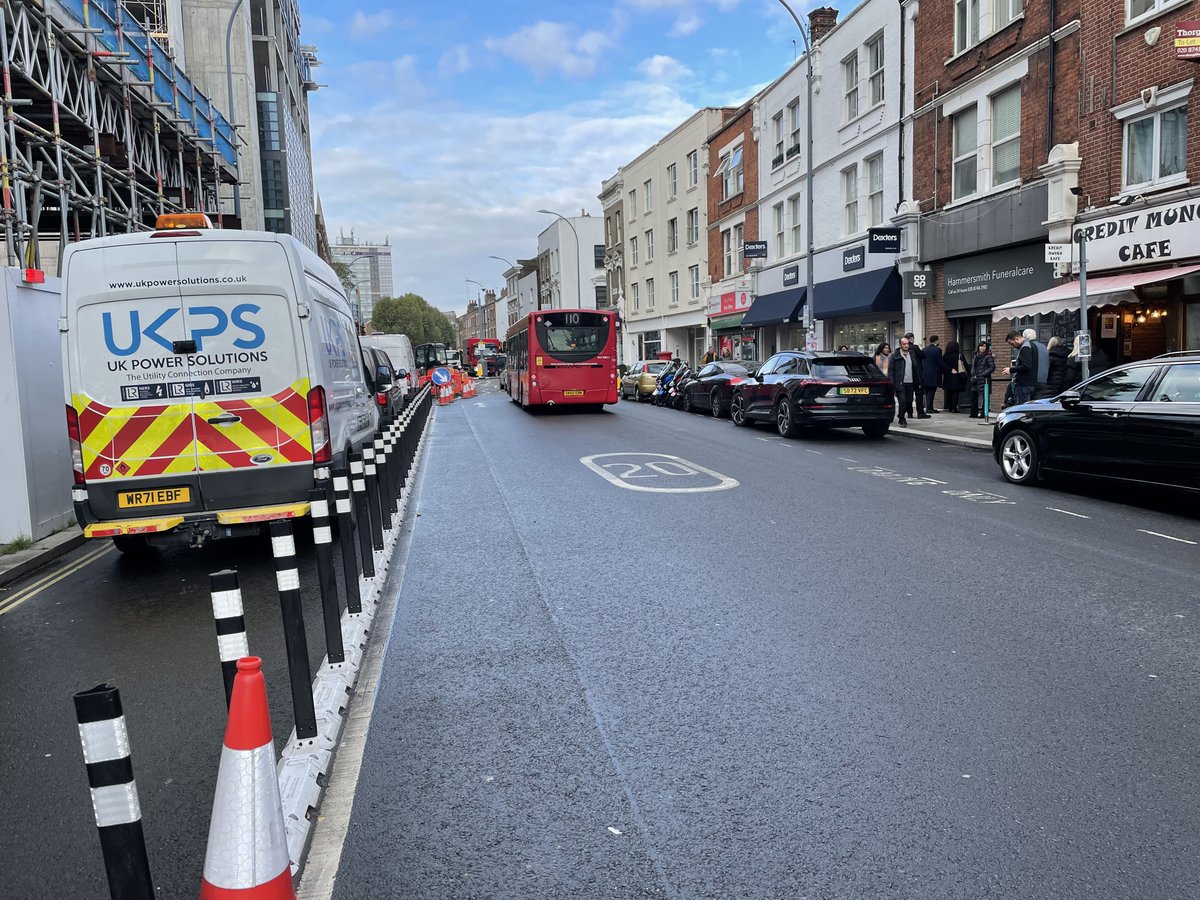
x=101 y=131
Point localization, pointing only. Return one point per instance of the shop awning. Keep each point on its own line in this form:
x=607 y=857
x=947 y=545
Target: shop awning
x=1105 y=291
x=875 y=291
x=775 y=309
x=726 y=323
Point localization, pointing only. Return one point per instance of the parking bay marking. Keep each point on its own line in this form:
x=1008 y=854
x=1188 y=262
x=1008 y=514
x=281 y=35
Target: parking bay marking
x=619 y=469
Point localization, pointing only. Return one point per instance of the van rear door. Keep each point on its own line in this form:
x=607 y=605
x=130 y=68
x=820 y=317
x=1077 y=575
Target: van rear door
x=253 y=443
x=130 y=379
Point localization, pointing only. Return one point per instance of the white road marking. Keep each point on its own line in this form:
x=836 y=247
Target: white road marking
x=1168 y=537
x=934 y=480
x=847 y=459
x=763 y=439
x=1067 y=512
x=818 y=452
x=981 y=497
x=880 y=472
x=661 y=465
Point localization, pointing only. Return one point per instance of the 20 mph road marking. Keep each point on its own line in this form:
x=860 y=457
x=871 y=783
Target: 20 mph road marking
x=669 y=474
x=1168 y=537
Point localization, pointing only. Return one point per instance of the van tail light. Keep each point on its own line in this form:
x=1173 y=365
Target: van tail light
x=381 y=398
x=76 y=445
x=318 y=423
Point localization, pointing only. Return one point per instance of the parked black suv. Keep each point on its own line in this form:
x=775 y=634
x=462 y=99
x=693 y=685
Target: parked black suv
x=1137 y=422
x=798 y=390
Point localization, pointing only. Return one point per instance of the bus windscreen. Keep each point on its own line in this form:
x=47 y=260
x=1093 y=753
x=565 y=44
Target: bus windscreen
x=572 y=336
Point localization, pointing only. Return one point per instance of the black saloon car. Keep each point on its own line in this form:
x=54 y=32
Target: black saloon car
x=1138 y=422
x=799 y=390
x=712 y=388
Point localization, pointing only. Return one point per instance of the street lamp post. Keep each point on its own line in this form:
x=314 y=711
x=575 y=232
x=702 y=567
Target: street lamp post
x=808 y=292
x=578 y=261
x=237 y=187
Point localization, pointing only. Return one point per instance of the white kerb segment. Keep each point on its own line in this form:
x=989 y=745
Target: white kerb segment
x=226 y=604
x=116 y=805
x=104 y=740
x=232 y=647
x=283 y=546
x=247 y=844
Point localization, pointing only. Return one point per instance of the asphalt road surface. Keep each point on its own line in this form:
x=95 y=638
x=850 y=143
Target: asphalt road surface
x=742 y=667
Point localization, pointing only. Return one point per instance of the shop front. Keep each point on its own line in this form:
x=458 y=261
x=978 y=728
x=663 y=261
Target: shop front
x=778 y=319
x=860 y=311
x=726 y=314
x=974 y=285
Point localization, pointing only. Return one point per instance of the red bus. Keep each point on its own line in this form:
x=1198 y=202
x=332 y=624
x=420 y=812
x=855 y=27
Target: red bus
x=563 y=356
x=477 y=349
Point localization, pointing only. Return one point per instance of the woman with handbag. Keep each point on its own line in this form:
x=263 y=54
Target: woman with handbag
x=982 y=367
x=955 y=377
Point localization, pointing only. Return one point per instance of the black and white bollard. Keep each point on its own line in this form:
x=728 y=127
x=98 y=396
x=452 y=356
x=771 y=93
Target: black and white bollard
x=394 y=464
x=341 y=494
x=358 y=487
x=114 y=792
x=370 y=478
x=231 y=624
x=287 y=577
x=331 y=606
x=382 y=467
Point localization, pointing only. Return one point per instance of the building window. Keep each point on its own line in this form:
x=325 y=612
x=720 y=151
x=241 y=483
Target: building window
x=601 y=296
x=598 y=256
x=1138 y=9
x=274 y=221
x=671 y=182
x=875 y=190
x=268 y=121
x=966 y=142
x=693 y=162
x=794 y=127
x=672 y=235
x=646 y=187
x=633 y=251
x=635 y=295
x=850 y=200
x=1156 y=147
x=793 y=205
x=649 y=293
x=1006 y=135
x=731 y=174
x=274 y=184
x=1006 y=11
x=674 y=280
x=966 y=24
x=875 y=66
x=739 y=239
x=694 y=278
x=633 y=206
x=850 y=86
x=727 y=250
x=693 y=226
x=777 y=132
x=780 y=233
x=649 y=246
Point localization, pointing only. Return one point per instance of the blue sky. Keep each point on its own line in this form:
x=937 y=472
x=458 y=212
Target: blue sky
x=446 y=126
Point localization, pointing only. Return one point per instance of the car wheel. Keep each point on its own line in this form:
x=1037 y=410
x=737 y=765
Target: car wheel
x=737 y=410
x=785 y=418
x=714 y=400
x=1018 y=457
x=687 y=402
x=875 y=432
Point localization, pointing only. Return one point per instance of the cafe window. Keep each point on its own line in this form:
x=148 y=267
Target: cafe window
x=1156 y=148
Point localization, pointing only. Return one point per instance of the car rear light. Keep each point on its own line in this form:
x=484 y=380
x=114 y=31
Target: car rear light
x=381 y=398
x=733 y=381
x=76 y=445
x=318 y=423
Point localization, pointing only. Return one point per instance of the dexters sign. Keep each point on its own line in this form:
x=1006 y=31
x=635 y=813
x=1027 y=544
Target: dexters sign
x=124 y=332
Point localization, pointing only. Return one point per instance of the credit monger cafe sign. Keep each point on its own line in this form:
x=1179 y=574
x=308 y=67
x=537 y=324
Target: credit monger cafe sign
x=1169 y=232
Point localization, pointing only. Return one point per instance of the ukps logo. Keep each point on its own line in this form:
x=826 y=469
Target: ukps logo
x=215 y=320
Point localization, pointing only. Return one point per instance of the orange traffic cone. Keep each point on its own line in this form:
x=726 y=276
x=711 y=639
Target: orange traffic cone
x=247 y=855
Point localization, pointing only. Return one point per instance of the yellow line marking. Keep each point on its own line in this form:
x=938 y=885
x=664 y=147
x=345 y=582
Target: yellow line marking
x=10 y=603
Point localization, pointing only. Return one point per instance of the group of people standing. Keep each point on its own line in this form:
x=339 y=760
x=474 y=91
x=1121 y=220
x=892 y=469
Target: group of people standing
x=1046 y=370
x=917 y=372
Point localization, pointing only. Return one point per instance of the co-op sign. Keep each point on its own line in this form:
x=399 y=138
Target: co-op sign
x=1167 y=232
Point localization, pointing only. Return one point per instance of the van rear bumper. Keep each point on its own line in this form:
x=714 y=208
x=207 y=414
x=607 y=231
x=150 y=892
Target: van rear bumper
x=202 y=526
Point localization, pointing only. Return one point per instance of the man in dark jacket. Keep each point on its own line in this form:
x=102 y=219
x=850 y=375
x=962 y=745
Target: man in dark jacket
x=933 y=370
x=915 y=349
x=982 y=367
x=906 y=378
x=1024 y=369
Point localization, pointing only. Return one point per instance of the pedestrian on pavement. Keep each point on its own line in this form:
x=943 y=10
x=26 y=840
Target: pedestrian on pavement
x=916 y=351
x=1042 y=356
x=1056 y=380
x=1097 y=363
x=1024 y=367
x=955 y=378
x=843 y=348
x=883 y=356
x=982 y=367
x=905 y=371
x=933 y=372
x=709 y=356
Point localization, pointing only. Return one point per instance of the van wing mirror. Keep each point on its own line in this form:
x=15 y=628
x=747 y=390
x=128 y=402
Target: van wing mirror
x=402 y=374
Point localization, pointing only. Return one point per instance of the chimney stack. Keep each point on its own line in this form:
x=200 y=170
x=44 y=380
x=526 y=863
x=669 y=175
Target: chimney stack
x=820 y=22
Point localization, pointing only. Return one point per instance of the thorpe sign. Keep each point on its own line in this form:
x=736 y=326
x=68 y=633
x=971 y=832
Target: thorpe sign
x=1168 y=232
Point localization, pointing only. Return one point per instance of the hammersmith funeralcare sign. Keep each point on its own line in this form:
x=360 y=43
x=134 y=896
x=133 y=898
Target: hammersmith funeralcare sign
x=1162 y=233
x=989 y=279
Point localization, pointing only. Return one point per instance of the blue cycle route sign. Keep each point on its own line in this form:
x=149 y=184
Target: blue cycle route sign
x=440 y=376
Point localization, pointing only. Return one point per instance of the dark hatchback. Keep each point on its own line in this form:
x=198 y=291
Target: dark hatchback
x=1138 y=422
x=801 y=390
x=712 y=388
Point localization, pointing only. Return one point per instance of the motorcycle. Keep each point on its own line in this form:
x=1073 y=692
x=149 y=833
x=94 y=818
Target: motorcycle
x=663 y=382
x=679 y=386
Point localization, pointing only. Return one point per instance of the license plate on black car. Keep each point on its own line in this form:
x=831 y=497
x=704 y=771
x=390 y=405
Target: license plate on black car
x=853 y=391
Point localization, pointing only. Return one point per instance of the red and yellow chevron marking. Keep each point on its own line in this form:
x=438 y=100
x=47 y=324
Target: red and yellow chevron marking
x=176 y=438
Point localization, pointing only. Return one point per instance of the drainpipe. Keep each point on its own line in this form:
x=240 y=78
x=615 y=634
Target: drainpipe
x=903 y=66
x=1050 y=81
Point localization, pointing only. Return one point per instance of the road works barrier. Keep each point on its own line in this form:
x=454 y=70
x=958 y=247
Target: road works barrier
x=231 y=624
x=114 y=792
x=247 y=853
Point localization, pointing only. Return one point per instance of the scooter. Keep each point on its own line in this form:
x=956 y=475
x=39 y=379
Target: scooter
x=665 y=377
x=679 y=385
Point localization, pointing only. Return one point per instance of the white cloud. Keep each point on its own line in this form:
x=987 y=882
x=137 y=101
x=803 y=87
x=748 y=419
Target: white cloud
x=547 y=47
x=687 y=24
x=368 y=25
x=454 y=61
x=663 y=68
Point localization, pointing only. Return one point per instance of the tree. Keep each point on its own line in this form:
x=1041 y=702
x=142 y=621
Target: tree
x=342 y=270
x=412 y=315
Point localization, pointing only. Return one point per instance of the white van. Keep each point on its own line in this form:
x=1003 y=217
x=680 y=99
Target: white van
x=400 y=350
x=209 y=376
